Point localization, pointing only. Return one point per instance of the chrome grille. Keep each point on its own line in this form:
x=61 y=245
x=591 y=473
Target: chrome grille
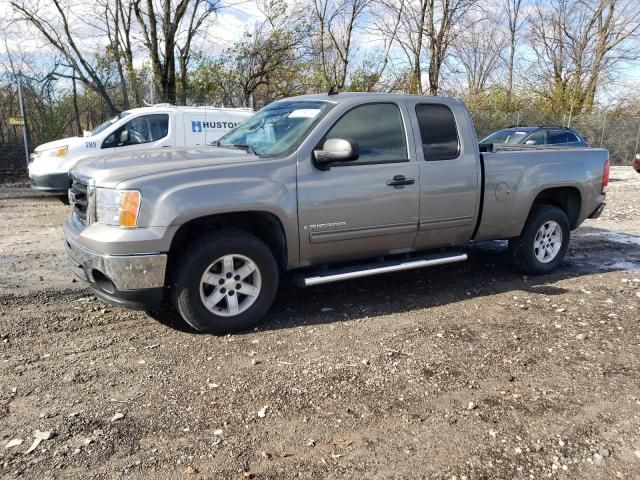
x=79 y=198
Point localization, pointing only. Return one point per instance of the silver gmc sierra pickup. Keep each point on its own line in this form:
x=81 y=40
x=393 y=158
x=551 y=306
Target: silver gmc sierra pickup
x=334 y=186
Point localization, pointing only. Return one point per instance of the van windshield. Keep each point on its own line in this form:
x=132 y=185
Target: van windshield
x=277 y=128
x=103 y=126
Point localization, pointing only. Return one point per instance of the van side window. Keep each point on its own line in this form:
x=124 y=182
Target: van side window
x=144 y=129
x=438 y=132
x=379 y=131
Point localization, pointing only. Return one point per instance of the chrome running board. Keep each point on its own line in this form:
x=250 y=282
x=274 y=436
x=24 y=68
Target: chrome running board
x=369 y=269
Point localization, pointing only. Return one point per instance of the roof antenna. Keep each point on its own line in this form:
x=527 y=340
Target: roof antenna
x=333 y=91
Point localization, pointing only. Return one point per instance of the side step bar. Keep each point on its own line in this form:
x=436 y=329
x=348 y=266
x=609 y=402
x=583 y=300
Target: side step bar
x=348 y=273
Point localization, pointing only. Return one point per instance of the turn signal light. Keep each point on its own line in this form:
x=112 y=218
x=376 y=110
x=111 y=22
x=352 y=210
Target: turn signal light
x=129 y=206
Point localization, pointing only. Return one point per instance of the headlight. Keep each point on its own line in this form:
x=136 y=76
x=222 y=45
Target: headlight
x=55 y=152
x=118 y=208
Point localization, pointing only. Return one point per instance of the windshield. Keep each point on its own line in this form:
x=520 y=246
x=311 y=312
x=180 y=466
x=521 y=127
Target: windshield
x=507 y=137
x=276 y=128
x=108 y=123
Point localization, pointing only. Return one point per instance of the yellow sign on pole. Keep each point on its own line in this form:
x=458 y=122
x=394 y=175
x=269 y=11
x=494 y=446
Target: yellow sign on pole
x=18 y=121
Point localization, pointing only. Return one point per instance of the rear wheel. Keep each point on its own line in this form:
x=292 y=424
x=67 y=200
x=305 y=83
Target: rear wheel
x=544 y=240
x=226 y=282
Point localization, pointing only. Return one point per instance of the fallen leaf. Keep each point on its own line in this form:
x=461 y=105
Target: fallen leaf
x=191 y=470
x=344 y=442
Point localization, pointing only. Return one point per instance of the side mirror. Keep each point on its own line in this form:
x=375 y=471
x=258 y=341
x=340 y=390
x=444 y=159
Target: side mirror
x=530 y=142
x=124 y=136
x=337 y=150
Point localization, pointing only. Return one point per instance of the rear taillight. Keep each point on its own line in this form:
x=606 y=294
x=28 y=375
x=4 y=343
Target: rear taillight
x=605 y=177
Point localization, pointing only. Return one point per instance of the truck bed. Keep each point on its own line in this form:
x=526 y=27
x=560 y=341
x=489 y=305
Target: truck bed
x=513 y=179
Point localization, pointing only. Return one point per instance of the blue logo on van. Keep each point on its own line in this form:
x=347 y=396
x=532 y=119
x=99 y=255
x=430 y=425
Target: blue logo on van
x=196 y=126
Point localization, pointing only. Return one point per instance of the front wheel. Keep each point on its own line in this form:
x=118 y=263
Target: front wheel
x=544 y=240
x=226 y=282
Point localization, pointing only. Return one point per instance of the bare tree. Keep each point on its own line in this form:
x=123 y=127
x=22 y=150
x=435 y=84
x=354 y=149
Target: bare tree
x=514 y=23
x=118 y=27
x=579 y=44
x=478 y=53
x=444 y=18
x=427 y=27
x=410 y=35
x=162 y=24
x=199 y=12
x=56 y=27
x=337 y=20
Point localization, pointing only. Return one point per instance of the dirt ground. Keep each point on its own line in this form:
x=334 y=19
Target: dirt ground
x=470 y=371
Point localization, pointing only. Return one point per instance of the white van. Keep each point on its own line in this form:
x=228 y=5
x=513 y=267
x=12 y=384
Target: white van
x=136 y=129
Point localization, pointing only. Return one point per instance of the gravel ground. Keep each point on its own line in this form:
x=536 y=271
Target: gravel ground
x=469 y=371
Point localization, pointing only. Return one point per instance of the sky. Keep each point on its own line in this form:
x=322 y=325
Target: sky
x=235 y=18
x=18 y=37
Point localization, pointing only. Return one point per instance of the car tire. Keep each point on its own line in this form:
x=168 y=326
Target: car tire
x=544 y=240
x=226 y=282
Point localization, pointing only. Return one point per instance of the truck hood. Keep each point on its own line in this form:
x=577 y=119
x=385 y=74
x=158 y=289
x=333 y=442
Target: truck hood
x=63 y=142
x=108 y=170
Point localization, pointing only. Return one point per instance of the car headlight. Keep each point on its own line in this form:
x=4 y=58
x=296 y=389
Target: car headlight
x=55 y=152
x=118 y=208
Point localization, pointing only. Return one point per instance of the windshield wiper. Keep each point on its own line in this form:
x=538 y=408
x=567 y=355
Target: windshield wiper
x=241 y=146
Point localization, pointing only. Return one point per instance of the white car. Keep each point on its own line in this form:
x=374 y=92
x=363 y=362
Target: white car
x=136 y=129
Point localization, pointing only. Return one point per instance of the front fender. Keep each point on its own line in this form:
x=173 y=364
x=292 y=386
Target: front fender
x=172 y=199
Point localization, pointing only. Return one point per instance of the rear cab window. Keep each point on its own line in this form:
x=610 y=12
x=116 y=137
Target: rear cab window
x=438 y=132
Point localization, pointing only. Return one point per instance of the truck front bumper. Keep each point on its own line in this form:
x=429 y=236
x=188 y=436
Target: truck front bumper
x=53 y=183
x=131 y=281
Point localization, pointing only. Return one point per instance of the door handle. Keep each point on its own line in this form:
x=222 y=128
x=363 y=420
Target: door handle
x=400 y=180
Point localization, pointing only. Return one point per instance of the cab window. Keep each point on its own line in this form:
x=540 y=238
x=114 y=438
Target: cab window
x=438 y=132
x=143 y=129
x=379 y=131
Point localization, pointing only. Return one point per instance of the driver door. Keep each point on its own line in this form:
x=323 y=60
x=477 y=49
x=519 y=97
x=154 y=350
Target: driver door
x=366 y=207
x=143 y=132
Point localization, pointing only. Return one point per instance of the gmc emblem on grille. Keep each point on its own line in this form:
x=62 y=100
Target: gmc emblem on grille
x=72 y=198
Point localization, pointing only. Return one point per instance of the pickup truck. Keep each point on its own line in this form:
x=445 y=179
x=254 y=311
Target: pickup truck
x=335 y=187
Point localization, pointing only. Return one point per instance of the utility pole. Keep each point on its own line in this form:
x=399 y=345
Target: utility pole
x=635 y=150
x=24 y=121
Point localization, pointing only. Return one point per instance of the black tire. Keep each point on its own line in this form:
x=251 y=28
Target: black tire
x=195 y=259
x=64 y=199
x=523 y=249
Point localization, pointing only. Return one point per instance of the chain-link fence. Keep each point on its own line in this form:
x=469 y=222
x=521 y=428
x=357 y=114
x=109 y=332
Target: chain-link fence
x=52 y=118
x=617 y=132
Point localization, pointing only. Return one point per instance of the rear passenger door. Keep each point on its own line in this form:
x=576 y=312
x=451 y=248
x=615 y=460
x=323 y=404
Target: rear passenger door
x=449 y=174
x=557 y=137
